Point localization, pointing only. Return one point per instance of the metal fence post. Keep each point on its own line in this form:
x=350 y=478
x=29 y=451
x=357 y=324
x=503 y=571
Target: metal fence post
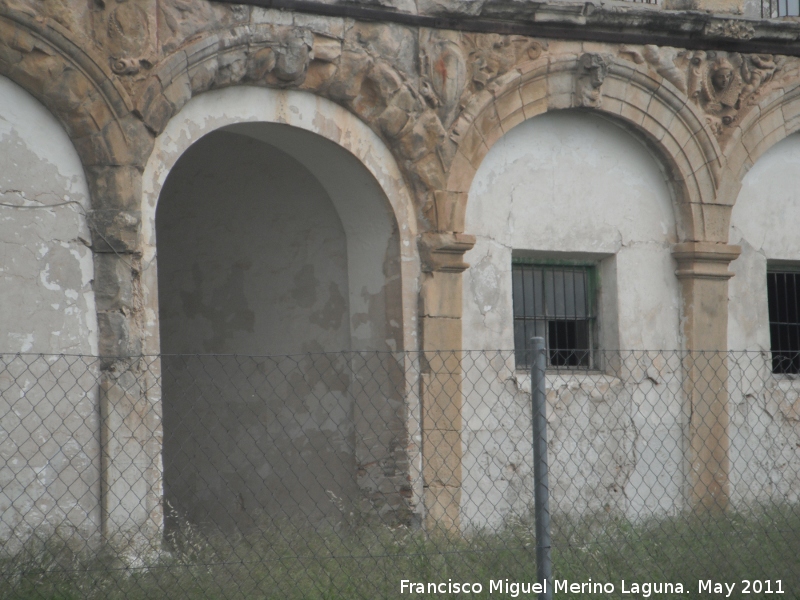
x=541 y=490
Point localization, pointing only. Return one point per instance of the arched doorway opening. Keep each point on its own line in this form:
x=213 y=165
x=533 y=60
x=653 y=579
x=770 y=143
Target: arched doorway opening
x=278 y=266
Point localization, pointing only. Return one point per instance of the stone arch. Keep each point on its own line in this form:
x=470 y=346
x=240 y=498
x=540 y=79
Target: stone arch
x=638 y=100
x=773 y=119
x=296 y=125
x=233 y=106
x=524 y=198
x=80 y=91
x=652 y=107
x=617 y=215
x=216 y=60
x=77 y=87
x=83 y=93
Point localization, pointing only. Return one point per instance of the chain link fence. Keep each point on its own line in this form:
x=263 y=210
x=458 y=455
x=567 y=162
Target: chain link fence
x=379 y=475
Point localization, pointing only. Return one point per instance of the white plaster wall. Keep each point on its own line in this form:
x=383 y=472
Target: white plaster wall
x=45 y=263
x=574 y=183
x=252 y=254
x=765 y=411
x=764 y=223
x=48 y=409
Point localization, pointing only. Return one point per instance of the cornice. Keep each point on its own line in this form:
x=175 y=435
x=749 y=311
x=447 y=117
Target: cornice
x=611 y=23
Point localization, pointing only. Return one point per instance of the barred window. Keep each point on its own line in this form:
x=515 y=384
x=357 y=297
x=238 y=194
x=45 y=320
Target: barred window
x=783 y=294
x=771 y=9
x=557 y=303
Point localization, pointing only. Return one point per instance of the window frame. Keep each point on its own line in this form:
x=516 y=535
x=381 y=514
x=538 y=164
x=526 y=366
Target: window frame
x=591 y=268
x=779 y=364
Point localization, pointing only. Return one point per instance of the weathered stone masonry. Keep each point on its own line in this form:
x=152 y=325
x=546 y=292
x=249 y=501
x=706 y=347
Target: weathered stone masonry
x=709 y=105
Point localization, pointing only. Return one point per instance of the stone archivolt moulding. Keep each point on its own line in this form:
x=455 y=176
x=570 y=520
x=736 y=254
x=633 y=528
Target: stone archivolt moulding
x=722 y=84
x=629 y=94
x=422 y=115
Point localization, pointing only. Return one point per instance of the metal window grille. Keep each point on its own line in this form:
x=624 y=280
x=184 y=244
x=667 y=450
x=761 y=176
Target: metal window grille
x=783 y=297
x=771 y=9
x=556 y=303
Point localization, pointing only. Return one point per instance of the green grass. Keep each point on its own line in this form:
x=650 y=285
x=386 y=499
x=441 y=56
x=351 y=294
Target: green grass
x=285 y=561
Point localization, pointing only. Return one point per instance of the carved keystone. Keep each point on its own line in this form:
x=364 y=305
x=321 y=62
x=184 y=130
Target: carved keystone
x=592 y=70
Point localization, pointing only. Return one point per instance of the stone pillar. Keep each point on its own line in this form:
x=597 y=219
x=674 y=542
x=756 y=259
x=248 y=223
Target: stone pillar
x=130 y=399
x=440 y=322
x=703 y=272
x=131 y=473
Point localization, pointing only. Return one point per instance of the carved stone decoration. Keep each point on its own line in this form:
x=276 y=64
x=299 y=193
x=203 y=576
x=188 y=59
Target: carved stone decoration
x=592 y=71
x=731 y=29
x=447 y=69
x=127 y=30
x=721 y=89
x=365 y=68
x=456 y=67
x=293 y=57
x=667 y=62
x=492 y=55
x=283 y=59
x=756 y=72
x=663 y=61
x=715 y=86
x=261 y=62
x=405 y=109
x=695 y=75
x=180 y=20
x=126 y=66
x=327 y=49
x=720 y=83
x=64 y=12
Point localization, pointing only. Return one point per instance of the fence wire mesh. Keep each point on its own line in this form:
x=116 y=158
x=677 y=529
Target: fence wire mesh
x=366 y=475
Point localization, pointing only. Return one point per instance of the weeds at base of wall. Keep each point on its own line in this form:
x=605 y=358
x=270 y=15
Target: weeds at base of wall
x=283 y=560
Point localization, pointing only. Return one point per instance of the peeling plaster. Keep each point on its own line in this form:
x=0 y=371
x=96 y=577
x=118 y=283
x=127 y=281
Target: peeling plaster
x=766 y=231
x=224 y=108
x=765 y=435
x=327 y=272
x=526 y=196
x=253 y=269
x=48 y=307
x=40 y=168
